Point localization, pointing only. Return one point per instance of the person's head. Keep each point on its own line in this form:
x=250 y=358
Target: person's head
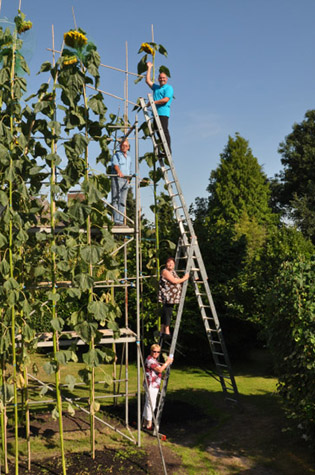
x=124 y=146
x=170 y=263
x=162 y=79
x=155 y=350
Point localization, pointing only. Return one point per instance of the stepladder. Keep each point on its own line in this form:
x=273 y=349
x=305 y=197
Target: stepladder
x=188 y=251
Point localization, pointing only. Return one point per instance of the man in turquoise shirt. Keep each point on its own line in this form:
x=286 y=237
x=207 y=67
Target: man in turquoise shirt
x=162 y=96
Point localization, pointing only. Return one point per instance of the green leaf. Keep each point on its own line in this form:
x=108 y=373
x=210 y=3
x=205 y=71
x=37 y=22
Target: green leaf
x=50 y=367
x=57 y=324
x=92 y=358
x=86 y=330
x=28 y=333
x=98 y=309
x=53 y=296
x=10 y=284
x=165 y=70
x=97 y=105
x=91 y=254
x=84 y=281
x=3 y=240
x=162 y=50
x=142 y=65
x=46 y=66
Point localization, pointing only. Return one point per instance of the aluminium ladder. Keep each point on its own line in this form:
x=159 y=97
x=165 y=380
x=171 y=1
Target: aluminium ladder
x=188 y=250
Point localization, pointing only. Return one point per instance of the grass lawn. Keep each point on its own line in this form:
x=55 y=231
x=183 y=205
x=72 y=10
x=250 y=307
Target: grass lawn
x=205 y=434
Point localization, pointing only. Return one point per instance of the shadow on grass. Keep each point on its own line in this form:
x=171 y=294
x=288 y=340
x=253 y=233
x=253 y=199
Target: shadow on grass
x=247 y=438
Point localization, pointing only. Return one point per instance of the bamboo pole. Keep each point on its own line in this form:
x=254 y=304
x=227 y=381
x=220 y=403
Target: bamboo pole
x=137 y=229
x=27 y=419
x=54 y=286
x=4 y=419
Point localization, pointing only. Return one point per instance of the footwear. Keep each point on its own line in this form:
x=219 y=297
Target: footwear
x=166 y=336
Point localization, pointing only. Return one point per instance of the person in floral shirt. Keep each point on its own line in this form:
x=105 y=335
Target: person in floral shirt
x=170 y=290
x=153 y=373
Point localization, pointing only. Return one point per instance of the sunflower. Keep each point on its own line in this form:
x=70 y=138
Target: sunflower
x=75 y=39
x=70 y=60
x=23 y=26
x=147 y=49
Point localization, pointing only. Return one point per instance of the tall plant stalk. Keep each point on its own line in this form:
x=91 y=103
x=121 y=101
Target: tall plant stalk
x=11 y=264
x=90 y=291
x=54 y=309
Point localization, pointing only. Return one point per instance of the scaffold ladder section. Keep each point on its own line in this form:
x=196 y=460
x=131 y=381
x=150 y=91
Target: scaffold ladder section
x=189 y=246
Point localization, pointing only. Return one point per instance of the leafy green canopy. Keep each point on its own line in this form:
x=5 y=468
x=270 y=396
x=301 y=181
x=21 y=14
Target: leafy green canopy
x=296 y=190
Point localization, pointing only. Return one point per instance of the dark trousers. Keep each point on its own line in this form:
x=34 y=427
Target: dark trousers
x=164 y=124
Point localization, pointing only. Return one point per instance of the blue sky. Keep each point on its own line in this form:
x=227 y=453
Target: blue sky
x=244 y=66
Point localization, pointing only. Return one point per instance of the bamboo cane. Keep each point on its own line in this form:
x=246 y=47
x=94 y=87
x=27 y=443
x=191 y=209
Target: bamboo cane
x=54 y=287
x=4 y=419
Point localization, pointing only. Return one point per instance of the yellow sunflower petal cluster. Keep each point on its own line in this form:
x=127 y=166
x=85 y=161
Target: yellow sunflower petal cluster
x=75 y=39
x=147 y=49
x=24 y=26
x=70 y=60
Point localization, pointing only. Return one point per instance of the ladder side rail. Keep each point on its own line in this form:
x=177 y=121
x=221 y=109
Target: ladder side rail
x=174 y=340
x=148 y=120
x=171 y=165
x=163 y=167
x=214 y=313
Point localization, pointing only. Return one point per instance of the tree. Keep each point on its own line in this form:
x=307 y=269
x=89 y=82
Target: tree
x=238 y=187
x=242 y=240
x=296 y=192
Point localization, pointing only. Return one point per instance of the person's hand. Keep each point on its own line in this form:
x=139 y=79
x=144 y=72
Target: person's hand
x=169 y=360
x=149 y=64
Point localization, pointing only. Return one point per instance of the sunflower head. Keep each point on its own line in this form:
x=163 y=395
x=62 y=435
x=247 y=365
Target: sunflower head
x=75 y=39
x=69 y=60
x=145 y=47
x=21 y=24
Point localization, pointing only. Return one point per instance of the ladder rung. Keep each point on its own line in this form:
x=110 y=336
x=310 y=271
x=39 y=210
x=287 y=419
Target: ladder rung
x=222 y=366
x=200 y=294
x=177 y=207
x=217 y=353
x=204 y=306
x=195 y=269
x=208 y=318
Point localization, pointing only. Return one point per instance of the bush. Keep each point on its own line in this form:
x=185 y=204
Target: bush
x=290 y=329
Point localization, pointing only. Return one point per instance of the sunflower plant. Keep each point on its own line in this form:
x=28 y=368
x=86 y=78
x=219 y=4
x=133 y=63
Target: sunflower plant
x=151 y=49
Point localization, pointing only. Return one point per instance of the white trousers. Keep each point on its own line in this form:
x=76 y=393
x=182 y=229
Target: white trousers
x=151 y=393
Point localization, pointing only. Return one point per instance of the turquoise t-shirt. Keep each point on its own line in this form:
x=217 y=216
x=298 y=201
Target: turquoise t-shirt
x=159 y=92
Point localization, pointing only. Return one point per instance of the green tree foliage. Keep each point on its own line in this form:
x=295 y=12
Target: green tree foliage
x=290 y=330
x=296 y=189
x=242 y=241
x=238 y=187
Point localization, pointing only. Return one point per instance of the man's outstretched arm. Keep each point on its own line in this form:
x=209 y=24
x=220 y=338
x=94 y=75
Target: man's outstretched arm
x=148 y=76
